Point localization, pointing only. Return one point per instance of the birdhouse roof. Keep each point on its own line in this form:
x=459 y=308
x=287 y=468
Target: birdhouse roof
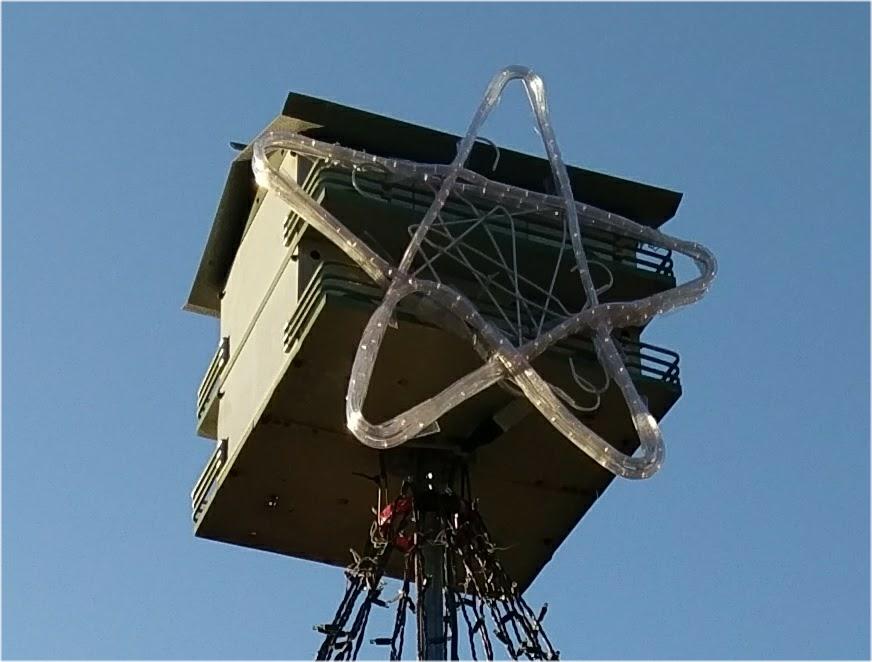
x=376 y=134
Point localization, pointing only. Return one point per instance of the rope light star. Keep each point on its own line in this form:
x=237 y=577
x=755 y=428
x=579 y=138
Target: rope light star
x=529 y=318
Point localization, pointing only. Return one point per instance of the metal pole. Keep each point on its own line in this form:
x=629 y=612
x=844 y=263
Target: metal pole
x=432 y=479
x=432 y=602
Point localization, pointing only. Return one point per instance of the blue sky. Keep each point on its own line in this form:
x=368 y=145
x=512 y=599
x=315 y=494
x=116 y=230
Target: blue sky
x=753 y=541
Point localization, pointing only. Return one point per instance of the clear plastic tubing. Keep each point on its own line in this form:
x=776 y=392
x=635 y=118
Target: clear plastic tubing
x=504 y=361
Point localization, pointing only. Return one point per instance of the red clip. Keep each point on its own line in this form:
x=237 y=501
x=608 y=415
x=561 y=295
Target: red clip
x=401 y=506
x=386 y=520
x=404 y=542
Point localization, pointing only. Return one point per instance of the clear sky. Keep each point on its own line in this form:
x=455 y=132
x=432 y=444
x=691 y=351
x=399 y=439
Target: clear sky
x=753 y=541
